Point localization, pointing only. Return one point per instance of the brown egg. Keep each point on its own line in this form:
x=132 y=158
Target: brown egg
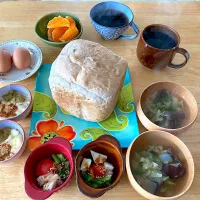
x=21 y=58
x=5 y=61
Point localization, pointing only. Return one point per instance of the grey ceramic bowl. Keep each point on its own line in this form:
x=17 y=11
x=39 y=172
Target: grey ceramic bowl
x=41 y=27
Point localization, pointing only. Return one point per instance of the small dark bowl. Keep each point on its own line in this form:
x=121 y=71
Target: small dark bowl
x=109 y=146
x=41 y=27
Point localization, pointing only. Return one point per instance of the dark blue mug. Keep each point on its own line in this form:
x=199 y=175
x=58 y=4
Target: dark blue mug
x=112 y=32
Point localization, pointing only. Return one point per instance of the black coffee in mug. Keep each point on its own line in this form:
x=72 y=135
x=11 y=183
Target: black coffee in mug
x=111 y=18
x=159 y=40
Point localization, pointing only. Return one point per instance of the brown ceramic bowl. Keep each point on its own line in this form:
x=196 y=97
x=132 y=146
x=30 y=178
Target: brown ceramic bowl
x=109 y=146
x=166 y=140
x=190 y=106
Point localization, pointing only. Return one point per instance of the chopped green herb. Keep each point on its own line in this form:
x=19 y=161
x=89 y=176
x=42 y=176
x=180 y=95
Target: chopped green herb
x=56 y=159
x=98 y=182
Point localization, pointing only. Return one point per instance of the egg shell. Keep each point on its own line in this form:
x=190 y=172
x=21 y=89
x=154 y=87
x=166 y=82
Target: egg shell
x=5 y=61
x=21 y=58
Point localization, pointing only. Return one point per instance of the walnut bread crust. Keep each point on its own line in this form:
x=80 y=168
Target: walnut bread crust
x=86 y=79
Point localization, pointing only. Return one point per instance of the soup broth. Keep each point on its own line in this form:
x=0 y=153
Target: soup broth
x=158 y=170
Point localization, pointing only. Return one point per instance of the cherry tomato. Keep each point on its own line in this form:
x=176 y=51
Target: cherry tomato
x=97 y=170
x=44 y=167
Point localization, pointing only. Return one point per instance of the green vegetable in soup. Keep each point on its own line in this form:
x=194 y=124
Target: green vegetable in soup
x=164 y=109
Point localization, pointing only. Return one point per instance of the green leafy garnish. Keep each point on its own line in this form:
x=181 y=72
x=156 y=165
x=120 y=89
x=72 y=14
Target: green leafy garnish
x=62 y=165
x=14 y=97
x=61 y=157
x=98 y=182
x=164 y=109
x=56 y=159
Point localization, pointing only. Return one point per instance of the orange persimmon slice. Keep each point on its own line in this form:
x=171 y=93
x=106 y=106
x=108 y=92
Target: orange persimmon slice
x=70 y=33
x=70 y=20
x=58 y=22
x=49 y=33
x=57 y=33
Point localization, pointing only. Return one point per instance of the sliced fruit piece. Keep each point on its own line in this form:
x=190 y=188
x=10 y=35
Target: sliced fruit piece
x=85 y=164
x=49 y=33
x=54 y=21
x=57 y=33
x=98 y=157
x=58 y=22
x=70 y=33
x=71 y=20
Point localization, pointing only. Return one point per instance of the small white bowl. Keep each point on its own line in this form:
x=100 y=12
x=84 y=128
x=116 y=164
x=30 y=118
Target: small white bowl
x=23 y=90
x=14 y=125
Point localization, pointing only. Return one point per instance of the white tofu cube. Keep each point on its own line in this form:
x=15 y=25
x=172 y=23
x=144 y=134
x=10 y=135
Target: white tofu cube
x=44 y=178
x=109 y=173
x=98 y=157
x=52 y=183
x=108 y=166
x=85 y=164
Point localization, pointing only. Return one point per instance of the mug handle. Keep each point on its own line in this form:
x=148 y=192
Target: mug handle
x=131 y=37
x=185 y=54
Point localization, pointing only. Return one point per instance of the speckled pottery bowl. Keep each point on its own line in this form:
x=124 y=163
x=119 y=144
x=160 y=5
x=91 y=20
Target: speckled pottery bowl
x=112 y=33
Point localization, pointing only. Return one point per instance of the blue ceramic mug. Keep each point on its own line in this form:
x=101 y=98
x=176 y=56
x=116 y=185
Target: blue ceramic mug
x=110 y=31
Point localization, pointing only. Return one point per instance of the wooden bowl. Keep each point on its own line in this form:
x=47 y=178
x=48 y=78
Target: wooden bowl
x=109 y=146
x=190 y=106
x=166 y=140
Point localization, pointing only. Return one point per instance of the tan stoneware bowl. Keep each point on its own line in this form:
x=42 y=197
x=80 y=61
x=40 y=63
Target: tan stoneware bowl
x=166 y=140
x=190 y=106
x=106 y=145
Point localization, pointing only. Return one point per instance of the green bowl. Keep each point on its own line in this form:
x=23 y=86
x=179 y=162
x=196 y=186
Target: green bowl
x=41 y=27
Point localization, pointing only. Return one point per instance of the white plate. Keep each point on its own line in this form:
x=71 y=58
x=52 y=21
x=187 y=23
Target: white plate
x=15 y=75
